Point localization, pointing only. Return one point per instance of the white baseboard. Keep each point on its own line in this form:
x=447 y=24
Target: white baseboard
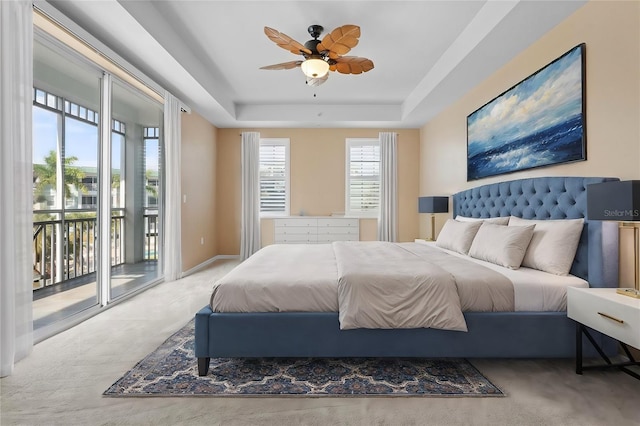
x=209 y=262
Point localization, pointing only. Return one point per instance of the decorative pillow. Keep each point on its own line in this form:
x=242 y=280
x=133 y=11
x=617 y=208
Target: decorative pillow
x=502 y=245
x=553 y=245
x=504 y=220
x=457 y=236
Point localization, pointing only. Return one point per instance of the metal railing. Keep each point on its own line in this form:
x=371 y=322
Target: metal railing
x=150 y=236
x=65 y=249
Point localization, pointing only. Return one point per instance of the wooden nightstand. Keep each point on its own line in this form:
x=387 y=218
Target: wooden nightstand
x=612 y=314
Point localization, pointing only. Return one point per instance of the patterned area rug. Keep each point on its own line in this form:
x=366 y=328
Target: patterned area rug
x=171 y=370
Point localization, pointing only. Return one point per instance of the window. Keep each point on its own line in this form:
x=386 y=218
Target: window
x=90 y=183
x=89 y=202
x=74 y=145
x=151 y=166
x=118 y=171
x=362 y=177
x=274 y=177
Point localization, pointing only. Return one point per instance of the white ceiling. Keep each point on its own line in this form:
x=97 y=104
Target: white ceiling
x=427 y=54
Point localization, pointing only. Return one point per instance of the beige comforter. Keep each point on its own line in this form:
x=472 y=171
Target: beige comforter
x=280 y=278
x=370 y=285
x=383 y=285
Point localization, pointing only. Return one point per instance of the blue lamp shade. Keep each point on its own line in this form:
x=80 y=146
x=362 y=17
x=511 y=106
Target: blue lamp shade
x=616 y=200
x=433 y=204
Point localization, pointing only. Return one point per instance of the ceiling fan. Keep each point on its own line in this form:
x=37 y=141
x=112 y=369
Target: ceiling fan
x=320 y=57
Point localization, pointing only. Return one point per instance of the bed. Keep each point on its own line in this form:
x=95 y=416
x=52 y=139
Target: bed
x=508 y=334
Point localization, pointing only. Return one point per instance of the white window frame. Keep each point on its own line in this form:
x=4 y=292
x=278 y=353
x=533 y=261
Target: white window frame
x=287 y=175
x=353 y=142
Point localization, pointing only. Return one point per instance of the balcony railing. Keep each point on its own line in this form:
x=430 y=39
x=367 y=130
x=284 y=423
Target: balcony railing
x=151 y=236
x=66 y=249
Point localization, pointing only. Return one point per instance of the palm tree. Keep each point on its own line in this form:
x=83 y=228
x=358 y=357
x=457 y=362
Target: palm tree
x=46 y=175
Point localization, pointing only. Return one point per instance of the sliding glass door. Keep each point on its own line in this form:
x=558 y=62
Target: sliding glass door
x=66 y=104
x=97 y=185
x=135 y=177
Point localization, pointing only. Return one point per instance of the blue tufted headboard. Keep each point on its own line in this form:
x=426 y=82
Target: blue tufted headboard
x=551 y=198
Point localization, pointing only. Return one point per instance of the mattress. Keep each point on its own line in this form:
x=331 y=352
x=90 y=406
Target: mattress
x=303 y=278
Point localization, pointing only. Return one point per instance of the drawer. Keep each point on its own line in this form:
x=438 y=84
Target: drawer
x=337 y=237
x=336 y=230
x=295 y=222
x=339 y=222
x=607 y=312
x=296 y=239
x=295 y=230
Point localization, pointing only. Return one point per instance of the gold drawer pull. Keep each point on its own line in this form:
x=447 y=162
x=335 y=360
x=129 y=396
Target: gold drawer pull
x=611 y=318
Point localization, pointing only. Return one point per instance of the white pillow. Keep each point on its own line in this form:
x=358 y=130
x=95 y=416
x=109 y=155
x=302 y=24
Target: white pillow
x=553 y=245
x=457 y=236
x=502 y=245
x=504 y=220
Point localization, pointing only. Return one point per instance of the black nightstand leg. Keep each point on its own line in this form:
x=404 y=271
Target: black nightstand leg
x=629 y=354
x=596 y=345
x=622 y=366
x=578 y=348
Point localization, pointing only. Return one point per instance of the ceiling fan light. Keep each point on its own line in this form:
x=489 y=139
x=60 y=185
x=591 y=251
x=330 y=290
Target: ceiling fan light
x=315 y=68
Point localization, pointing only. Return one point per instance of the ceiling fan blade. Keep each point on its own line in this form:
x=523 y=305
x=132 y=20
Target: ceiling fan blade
x=341 y=40
x=314 y=82
x=282 y=66
x=285 y=41
x=353 y=65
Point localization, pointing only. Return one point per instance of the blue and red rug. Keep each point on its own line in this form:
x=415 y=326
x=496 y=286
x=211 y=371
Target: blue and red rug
x=171 y=370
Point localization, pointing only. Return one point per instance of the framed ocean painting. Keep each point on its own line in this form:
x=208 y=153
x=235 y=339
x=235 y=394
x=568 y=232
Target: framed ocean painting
x=538 y=122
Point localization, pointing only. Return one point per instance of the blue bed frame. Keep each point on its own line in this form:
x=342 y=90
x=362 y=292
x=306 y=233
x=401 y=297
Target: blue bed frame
x=490 y=335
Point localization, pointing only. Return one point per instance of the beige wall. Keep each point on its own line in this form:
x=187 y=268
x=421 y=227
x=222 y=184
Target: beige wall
x=228 y=191
x=199 y=186
x=317 y=180
x=611 y=31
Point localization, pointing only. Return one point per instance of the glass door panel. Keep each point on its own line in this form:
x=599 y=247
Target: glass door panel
x=66 y=98
x=136 y=189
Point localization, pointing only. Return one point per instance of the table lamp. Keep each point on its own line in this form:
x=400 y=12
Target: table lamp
x=433 y=205
x=619 y=201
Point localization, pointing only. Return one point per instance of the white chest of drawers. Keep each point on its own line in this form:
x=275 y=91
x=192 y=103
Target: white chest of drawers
x=315 y=229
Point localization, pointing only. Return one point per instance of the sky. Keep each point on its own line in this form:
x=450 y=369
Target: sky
x=543 y=100
x=81 y=140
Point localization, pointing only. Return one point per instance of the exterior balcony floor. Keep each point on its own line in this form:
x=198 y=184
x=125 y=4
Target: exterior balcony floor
x=57 y=302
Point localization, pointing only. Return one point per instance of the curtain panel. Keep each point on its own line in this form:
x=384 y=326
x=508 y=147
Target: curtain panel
x=388 y=217
x=172 y=202
x=16 y=180
x=250 y=232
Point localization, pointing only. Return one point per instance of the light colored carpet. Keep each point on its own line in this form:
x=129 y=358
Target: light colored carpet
x=62 y=382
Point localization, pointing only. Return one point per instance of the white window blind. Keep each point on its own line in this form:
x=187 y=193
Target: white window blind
x=363 y=177
x=274 y=177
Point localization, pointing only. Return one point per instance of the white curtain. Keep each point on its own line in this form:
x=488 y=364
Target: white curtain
x=16 y=86
x=388 y=218
x=250 y=232
x=172 y=202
